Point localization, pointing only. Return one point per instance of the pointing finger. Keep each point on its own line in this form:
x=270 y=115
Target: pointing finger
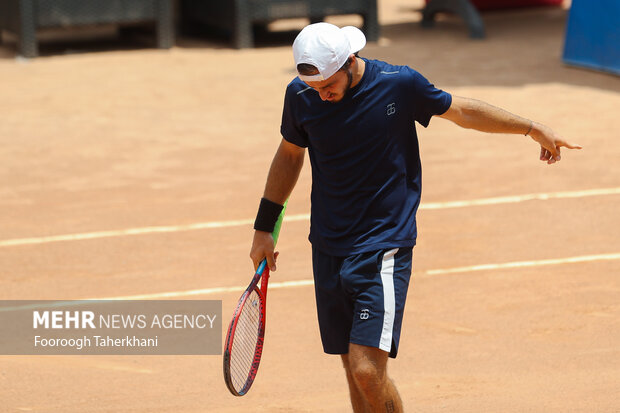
x=571 y=145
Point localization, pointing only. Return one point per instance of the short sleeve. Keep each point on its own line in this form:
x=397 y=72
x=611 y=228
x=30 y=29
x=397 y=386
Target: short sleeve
x=428 y=100
x=290 y=128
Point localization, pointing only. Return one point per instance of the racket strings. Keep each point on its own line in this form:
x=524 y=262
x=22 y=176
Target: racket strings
x=244 y=342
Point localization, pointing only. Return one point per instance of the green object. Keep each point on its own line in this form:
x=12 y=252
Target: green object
x=276 y=230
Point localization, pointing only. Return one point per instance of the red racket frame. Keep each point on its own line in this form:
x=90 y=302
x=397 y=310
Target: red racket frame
x=262 y=274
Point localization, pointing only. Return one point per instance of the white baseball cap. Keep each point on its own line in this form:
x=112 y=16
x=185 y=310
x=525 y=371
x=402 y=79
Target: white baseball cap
x=326 y=47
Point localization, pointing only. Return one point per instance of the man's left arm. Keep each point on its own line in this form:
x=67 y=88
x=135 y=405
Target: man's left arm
x=475 y=114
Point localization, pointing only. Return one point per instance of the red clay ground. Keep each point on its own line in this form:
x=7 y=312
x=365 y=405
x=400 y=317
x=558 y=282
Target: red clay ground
x=112 y=140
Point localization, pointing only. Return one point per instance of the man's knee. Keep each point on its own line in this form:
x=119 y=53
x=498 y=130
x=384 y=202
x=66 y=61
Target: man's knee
x=366 y=374
x=367 y=365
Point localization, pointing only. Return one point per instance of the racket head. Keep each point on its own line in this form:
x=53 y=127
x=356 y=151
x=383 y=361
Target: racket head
x=245 y=338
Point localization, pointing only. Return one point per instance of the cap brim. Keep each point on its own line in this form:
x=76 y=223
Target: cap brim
x=356 y=37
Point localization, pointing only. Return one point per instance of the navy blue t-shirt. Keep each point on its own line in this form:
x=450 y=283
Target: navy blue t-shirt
x=366 y=174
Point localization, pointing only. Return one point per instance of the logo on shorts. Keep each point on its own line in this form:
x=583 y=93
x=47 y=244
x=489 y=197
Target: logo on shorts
x=391 y=109
x=365 y=314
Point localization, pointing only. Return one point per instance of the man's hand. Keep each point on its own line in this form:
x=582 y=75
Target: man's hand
x=550 y=143
x=263 y=247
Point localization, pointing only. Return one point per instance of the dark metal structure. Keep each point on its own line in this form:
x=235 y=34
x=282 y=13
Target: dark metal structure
x=25 y=17
x=463 y=8
x=236 y=17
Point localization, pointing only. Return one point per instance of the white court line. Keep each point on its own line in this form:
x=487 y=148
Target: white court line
x=138 y=231
x=300 y=217
x=305 y=283
x=207 y=291
x=156 y=296
x=521 y=198
x=524 y=264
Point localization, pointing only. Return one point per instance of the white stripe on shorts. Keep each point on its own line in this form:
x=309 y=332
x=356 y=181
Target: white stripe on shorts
x=389 y=300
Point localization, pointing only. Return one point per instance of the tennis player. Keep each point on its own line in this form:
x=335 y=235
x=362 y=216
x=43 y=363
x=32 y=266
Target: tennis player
x=357 y=119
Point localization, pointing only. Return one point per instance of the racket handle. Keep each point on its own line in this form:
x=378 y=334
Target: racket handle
x=261 y=266
x=276 y=229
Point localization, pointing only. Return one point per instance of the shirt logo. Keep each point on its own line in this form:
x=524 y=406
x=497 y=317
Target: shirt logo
x=391 y=109
x=365 y=314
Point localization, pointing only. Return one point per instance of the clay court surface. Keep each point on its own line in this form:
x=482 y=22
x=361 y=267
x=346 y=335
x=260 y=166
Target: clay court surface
x=112 y=140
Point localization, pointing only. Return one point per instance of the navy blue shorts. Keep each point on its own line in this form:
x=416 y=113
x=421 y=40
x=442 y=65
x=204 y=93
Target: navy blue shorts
x=361 y=298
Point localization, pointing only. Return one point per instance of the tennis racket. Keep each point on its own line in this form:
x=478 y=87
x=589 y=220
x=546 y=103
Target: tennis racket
x=246 y=332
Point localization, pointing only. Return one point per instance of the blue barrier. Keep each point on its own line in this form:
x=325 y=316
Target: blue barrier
x=593 y=35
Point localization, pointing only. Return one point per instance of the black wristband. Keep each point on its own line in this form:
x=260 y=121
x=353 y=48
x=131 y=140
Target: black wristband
x=268 y=213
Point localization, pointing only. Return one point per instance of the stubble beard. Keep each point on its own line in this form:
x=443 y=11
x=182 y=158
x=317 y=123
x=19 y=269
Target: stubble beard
x=347 y=88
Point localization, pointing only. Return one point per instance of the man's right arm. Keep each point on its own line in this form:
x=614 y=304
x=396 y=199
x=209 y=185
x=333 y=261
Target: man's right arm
x=281 y=180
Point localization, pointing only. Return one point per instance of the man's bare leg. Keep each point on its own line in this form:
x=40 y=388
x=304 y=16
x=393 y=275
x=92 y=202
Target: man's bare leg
x=358 y=402
x=370 y=387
